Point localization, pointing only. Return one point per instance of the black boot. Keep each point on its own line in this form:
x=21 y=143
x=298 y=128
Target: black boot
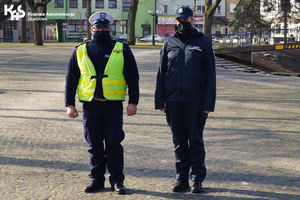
x=197 y=187
x=181 y=185
x=94 y=186
x=118 y=188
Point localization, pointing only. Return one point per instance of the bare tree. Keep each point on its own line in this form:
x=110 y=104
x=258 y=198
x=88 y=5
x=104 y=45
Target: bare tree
x=210 y=8
x=38 y=7
x=131 y=21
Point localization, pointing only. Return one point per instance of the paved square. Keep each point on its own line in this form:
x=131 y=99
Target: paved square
x=252 y=140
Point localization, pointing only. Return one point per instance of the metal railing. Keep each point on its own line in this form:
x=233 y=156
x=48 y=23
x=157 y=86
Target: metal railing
x=256 y=38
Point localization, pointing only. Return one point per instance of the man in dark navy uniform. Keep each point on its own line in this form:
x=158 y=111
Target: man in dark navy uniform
x=186 y=91
x=102 y=101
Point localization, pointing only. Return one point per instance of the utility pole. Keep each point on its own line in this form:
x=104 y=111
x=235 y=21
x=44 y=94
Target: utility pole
x=154 y=25
x=88 y=14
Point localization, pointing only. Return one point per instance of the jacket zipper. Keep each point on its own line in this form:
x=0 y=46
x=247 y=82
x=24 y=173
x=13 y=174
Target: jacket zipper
x=182 y=67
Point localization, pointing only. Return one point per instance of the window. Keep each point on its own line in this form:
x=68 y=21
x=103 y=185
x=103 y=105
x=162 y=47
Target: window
x=59 y=4
x=83 y=3
x=232 y=7
x=112 y=4
x=76 y=26
x=163 y=9
x=99 y=4
x=73 y=4
x=278 y=28
x=123 y=26
x=126 y=5
x=219 y=10
x=200 y=10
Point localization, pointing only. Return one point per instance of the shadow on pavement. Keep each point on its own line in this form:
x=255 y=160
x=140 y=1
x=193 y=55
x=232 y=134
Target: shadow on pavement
x=55 y=164
x=46 y=91
x=38 y=118
x=255 y=193
x=188 y=195
x=146 y=172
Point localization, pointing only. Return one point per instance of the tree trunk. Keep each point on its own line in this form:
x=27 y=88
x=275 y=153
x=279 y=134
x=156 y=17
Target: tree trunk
x=207 y=25
x=285 y=25
x=59 y=30
x=210 y=8
x=252 y=21
x=38 y=7
x=88 y=14
x=131 y=21
x=23 y=24
x=37 y=31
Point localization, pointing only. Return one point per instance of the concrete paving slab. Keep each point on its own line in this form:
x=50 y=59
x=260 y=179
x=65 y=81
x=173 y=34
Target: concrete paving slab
x=252 y=139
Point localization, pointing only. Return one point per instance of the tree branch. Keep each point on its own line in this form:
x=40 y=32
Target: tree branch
x=214 y=6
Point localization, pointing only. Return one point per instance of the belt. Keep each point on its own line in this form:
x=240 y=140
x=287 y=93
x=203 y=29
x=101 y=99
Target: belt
x=99 y=99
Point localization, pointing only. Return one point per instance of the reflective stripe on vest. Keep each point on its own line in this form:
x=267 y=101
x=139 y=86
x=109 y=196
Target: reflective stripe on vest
x=114 y=85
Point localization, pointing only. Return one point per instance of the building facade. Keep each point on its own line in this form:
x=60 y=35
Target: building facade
x=230 y=6
x=67 y=18
x=166 y=11
x=144 y=21
x=73 y=24
x=70 y=17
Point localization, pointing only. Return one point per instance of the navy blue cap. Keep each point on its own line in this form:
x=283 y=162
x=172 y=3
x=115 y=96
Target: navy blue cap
x=184 y=12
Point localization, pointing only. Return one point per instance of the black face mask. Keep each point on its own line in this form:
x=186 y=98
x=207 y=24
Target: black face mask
x=101 y=37
x=184 y=27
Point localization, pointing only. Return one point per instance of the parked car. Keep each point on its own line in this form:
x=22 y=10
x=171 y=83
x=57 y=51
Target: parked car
x=148 y=38
x=123 y=37
x=216 y=39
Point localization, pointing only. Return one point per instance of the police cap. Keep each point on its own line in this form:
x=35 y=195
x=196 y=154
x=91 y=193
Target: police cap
x=184 y=12
x=101 y=18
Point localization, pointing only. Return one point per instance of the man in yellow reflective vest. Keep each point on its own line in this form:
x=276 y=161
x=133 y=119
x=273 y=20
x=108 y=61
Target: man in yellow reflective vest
x=100 y=71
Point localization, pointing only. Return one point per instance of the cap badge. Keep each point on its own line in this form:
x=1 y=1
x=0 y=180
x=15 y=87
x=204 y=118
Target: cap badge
x=180 y=10
x=102 y=15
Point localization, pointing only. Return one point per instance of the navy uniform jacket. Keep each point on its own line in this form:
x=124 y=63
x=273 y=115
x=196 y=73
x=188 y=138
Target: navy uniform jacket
x=186 y=71
x=99 y=56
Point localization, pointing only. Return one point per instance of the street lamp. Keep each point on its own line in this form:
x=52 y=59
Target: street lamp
x=153 y=32
x=154 y=17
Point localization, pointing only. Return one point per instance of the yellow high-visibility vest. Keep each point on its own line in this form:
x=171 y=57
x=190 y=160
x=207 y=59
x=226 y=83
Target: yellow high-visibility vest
x=113 y=82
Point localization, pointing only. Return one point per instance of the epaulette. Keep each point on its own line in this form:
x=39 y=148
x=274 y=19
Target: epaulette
x=81 y=43
x=122 y=42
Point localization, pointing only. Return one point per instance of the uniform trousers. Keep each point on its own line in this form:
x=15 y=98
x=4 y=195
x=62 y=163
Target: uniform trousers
x=103 y=131
x=187 y=121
